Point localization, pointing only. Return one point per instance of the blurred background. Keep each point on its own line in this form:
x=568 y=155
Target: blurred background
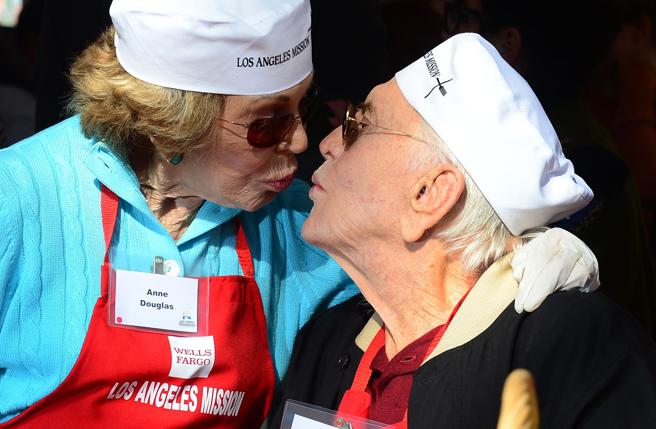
x=591 y=63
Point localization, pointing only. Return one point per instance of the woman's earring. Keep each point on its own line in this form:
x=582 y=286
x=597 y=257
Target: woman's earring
x=175 y=159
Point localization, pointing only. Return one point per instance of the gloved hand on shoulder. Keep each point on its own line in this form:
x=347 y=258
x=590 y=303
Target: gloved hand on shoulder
x=554 y=260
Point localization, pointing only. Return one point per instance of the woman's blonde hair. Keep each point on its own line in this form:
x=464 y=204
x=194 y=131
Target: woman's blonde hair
x=123 y=111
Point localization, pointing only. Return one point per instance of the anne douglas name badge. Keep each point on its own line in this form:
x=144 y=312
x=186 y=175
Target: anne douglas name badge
x=154 y=301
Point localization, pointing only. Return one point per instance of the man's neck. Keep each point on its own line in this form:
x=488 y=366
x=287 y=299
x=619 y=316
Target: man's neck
x=410 y=297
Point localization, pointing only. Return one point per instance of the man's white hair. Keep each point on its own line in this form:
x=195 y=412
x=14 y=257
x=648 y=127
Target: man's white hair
x=472 y=231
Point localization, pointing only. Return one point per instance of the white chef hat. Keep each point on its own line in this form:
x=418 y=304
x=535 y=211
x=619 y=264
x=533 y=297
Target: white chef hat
x=242 y=47
x=492 y=122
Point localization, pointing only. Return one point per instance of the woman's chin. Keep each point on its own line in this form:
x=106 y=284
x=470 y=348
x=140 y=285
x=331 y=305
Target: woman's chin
x=257 y=202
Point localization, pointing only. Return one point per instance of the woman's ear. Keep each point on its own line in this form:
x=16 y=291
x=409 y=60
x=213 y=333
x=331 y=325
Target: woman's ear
x=430 y=199
x=173 y=158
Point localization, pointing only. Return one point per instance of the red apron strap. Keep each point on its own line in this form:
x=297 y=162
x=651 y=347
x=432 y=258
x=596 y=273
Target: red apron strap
x=356 y=401
x=109 y=210
x=357 y=395
x=433 y=345
x=244 y=252
x=363 y=373
x=436 y=339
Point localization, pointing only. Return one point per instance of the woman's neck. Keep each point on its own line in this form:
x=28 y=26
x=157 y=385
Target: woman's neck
x=173 y=205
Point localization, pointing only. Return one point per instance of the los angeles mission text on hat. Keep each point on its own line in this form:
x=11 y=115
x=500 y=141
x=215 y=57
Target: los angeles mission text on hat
x=274 y=59
x=431 y=64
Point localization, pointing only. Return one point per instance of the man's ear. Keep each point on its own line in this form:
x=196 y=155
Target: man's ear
x=508 y=42
x=430 y=199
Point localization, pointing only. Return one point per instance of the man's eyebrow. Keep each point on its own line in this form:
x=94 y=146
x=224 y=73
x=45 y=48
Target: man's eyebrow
x=367 y=107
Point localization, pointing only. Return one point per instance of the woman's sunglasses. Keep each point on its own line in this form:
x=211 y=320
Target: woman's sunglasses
x=267 y=132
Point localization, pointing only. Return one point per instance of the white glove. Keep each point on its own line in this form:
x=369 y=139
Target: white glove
x=554 y=260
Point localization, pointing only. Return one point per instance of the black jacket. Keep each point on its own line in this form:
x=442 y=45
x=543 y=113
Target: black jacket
x=594 y=366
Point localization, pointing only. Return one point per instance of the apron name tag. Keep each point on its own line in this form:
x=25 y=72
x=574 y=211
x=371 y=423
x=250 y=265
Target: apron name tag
x=155 y=301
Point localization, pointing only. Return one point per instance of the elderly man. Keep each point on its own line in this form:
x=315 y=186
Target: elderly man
x=422 y=198
x=525 y=35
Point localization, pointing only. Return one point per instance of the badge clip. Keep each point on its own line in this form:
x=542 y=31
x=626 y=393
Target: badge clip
x=158 y=265
x=343 y=424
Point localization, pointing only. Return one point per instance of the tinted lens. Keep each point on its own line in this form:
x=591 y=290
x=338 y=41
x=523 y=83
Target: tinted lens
x=349 y=126
x=266 y=132
x=345 y=122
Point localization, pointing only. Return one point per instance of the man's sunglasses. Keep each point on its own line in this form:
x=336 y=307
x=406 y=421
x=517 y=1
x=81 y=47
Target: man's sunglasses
x=351 y=127
x=267 y=132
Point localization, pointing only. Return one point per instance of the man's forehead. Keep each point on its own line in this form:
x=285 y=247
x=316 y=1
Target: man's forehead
x=386 y=101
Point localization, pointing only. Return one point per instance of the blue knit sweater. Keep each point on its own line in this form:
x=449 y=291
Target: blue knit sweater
x=51 y=250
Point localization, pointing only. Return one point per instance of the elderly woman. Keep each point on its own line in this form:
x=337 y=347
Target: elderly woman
x=164 y=170
x=422 y=197
x=152 y=271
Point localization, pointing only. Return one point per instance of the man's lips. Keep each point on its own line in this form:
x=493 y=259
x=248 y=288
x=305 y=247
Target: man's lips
x=316 y=185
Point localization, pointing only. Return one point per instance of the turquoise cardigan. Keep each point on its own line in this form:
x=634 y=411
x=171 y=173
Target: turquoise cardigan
x=51 y=250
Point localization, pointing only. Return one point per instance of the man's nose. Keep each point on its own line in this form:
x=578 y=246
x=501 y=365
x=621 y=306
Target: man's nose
x=332 y=145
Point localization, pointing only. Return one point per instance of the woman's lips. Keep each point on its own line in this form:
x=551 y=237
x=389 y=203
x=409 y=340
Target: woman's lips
x=281 y=184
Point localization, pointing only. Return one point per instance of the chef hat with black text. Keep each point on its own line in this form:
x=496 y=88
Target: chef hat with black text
x=239 y=47
x=492 y=122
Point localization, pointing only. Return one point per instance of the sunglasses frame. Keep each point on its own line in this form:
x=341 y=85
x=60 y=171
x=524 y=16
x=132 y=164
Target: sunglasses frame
x=286 y=122
x=350 y=127
x=260 y=124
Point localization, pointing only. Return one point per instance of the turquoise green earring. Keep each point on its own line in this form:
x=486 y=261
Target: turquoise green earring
x=175 y=159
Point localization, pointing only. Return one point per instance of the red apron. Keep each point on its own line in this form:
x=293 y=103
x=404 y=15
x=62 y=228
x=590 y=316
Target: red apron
x=356 y=400
x=121 y=377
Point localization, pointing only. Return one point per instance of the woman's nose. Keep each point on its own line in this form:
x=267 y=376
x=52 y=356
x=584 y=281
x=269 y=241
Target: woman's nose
x=297 y=141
